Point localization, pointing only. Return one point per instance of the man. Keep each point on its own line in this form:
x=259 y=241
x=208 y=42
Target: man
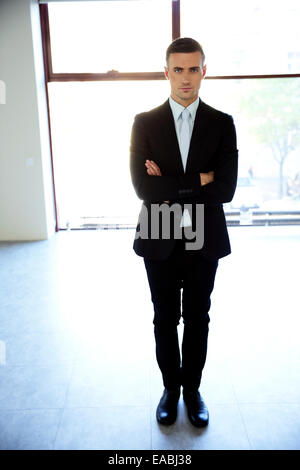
x=183 y=154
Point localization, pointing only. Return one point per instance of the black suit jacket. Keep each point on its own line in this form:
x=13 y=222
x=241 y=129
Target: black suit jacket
x=212 y=148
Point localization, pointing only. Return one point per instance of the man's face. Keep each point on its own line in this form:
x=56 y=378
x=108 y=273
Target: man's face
x=185 y=72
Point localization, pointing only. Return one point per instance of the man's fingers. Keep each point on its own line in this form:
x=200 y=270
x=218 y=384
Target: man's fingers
x=151 y=171
x=210 y=176
x=152 y=168
x=206 y=178
x=153 y=165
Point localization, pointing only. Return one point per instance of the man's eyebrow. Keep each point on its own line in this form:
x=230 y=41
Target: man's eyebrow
x=192 y=67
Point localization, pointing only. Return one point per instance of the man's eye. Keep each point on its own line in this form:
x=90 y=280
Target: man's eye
x=177 y=70
x=195 y=69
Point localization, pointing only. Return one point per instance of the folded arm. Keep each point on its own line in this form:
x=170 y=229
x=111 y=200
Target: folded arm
x=217 y=186
x=154 y=170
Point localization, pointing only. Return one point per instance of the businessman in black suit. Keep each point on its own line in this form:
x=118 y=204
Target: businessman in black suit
x=183 y=156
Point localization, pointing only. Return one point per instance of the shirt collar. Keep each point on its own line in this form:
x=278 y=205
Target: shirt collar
x=178 y=108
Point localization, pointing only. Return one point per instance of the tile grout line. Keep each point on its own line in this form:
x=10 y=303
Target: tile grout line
x=149 y=404
x=242 y=417
x=64 y=405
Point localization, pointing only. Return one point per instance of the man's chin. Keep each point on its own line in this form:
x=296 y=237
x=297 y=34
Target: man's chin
x=188 y=97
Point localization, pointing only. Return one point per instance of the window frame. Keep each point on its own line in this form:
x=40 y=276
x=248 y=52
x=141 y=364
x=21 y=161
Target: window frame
x=115 y=75
x=110 y=75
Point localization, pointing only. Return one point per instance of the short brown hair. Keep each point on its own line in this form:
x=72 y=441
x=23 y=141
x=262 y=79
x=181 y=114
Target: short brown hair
x=184 y=45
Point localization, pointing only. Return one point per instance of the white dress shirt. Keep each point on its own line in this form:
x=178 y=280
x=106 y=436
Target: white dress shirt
x=177 y=111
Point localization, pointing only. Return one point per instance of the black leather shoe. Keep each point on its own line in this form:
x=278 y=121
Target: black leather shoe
x=166 y=412
x=196 y=409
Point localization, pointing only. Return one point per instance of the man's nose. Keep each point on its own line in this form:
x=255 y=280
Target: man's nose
x=185 y=79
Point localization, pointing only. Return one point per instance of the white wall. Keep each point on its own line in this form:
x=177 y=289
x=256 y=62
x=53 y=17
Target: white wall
x=26 y=195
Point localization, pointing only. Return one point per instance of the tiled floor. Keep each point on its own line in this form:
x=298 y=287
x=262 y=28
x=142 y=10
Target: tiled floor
x=77 y=363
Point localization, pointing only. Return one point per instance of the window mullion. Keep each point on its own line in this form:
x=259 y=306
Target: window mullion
x=175 y=19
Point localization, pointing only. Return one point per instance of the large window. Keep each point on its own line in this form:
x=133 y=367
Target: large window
x=248 y=37
x=268 y=130
x=91 y=126
x=104 y=64
x=127 y=36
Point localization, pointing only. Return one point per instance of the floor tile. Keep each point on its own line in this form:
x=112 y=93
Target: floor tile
x=108 y=384
x=76 y=328
x=268 y=379
x=39 y=348
x=272 y=427
x=29 y=387
x=122 y=344
x=225 y=431
x=104 y=428
x=28 y=429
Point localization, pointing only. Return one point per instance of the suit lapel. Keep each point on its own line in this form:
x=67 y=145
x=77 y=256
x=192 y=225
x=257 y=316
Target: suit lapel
x=170 y=136
x=197 y=135
x=168 y=126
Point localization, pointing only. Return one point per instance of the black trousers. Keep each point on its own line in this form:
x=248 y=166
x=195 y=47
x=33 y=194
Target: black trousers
x=181 y=285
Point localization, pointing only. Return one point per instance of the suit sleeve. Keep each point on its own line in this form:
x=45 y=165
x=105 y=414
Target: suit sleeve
x=184 y=188
x=154 y=189
x=225 y=168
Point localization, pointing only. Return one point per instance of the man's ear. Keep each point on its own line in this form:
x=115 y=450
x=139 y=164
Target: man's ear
x=204 y=71
x=166 y=73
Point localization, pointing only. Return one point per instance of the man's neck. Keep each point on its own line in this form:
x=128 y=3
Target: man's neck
x=184 y=103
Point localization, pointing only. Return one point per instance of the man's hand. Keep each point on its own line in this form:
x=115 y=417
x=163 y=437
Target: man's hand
x=206 y=178
x=152 y=168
